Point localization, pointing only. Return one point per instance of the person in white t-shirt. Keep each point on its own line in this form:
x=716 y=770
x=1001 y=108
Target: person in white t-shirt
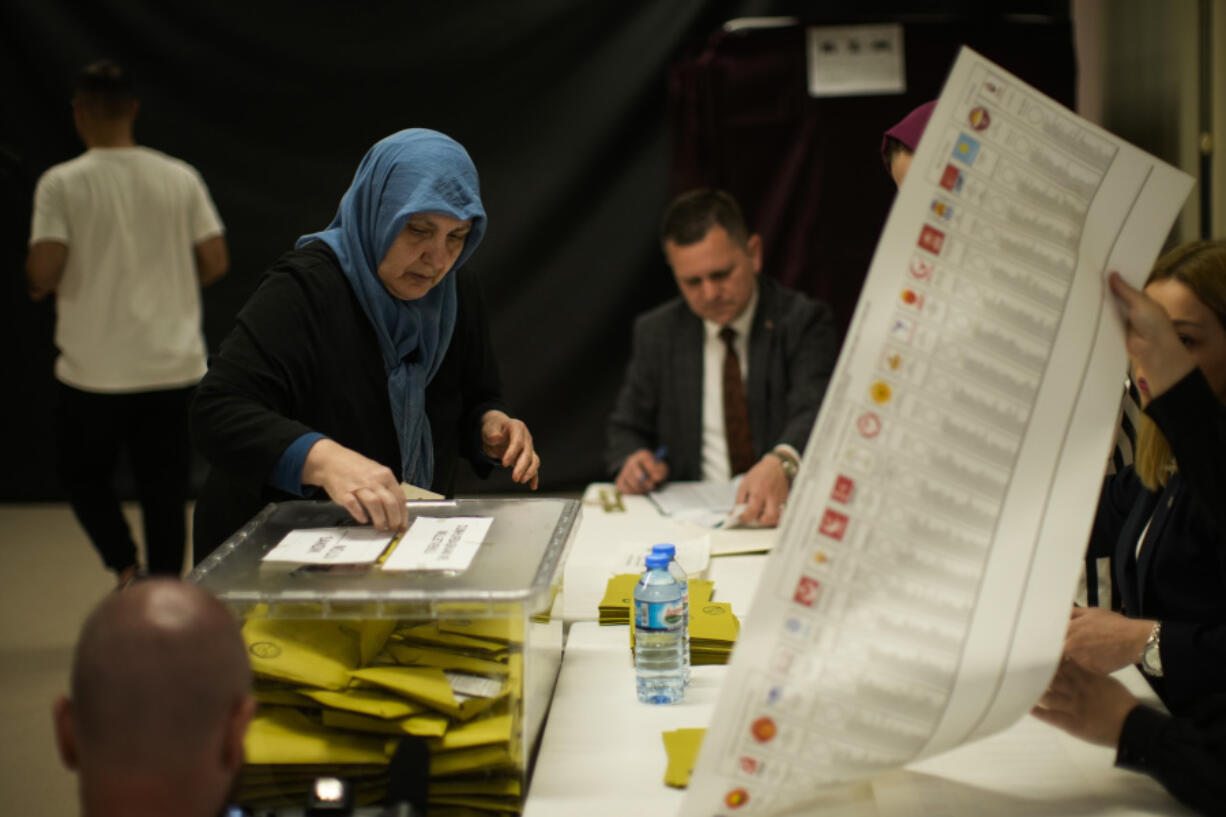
x=124 y=237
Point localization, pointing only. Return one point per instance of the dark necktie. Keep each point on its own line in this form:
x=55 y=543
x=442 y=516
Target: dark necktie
x=736 y=410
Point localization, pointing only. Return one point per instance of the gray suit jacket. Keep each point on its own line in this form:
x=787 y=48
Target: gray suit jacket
x=793 y=345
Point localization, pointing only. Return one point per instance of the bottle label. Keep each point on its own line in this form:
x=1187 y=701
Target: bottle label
x=660 y=616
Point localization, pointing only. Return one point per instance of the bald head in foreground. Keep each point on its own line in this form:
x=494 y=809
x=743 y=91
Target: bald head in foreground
x=160 y=702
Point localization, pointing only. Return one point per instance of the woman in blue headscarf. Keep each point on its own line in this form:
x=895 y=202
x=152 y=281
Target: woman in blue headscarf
x=362 y=359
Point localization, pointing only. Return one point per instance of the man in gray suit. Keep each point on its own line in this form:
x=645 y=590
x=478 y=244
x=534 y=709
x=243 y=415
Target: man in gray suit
x=726 y=379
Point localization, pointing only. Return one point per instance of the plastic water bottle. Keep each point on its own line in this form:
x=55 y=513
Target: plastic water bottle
x=658 y=627
x=674 y=567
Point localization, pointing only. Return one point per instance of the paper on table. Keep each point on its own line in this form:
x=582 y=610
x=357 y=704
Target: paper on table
x=330 y=546
x=918 y=593
x=704 y=503
x=694 y=556
x=439 y=543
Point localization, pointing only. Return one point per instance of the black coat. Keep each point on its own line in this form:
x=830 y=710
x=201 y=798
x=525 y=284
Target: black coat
x=1180 y=578
x=1186 y=754
x=303 y=357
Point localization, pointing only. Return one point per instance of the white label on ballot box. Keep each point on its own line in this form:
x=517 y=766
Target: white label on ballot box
x=330 y=546
x=439 y=543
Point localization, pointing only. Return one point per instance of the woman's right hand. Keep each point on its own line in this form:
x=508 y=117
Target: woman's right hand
x=1153 y=343
x=367 y=489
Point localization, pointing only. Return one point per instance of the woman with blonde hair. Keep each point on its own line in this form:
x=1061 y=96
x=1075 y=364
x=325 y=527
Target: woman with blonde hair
x=1163 y=520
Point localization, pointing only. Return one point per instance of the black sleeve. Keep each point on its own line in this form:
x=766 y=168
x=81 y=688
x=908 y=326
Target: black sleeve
x=1194 y=423
x=1187 y=755
x=242 y=416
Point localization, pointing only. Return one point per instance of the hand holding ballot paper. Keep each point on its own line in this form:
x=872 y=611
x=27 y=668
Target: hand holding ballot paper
x=918 y=595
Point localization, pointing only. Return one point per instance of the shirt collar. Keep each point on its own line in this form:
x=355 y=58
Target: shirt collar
x=742 y=323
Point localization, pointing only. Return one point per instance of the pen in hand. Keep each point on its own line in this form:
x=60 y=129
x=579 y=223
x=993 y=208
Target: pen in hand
x=660 y=454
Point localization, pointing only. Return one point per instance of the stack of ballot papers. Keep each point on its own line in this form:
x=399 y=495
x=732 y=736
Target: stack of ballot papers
x=713 y=627
x=336 y=694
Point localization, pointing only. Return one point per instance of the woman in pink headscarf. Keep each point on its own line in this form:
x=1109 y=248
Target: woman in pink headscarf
x=899 y=142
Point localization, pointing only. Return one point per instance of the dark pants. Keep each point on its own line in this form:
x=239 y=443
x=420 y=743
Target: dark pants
x=152 y=426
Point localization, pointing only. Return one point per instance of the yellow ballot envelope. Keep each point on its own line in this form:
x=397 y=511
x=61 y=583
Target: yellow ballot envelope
x=318 y=653
x=682 y=747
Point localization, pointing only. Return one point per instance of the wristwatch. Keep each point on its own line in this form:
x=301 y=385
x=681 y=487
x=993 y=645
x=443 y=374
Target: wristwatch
x=790 y=465
x=1151 y=658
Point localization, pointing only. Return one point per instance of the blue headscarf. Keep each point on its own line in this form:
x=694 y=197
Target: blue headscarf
x=413 y=171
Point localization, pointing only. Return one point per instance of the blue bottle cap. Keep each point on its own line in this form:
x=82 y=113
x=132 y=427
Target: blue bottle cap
x=666 y=549
x=655 y=560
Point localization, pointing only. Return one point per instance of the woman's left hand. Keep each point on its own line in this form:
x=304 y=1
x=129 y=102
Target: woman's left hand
x=1103 y=641
x=509 y=441
x=1086 y=704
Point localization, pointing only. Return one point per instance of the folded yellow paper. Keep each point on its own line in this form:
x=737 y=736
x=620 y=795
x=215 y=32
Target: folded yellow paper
x=424 y=726
x=431 y=634
x=713 y=621
x=469 y=760
x=372 y=702
x=429 y=686
x=506 y=630
x=682 y=747
x=311 y=652
x=506 y=786
x=419 y=656
x=280 y=735
x=619 y=597
x=373 y=634
x=481 y=732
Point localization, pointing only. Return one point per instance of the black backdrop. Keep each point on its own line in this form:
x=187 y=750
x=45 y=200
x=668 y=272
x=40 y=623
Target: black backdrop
x=564 y=106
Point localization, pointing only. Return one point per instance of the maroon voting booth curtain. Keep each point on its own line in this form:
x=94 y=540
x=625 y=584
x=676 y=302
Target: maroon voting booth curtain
x=808 y=171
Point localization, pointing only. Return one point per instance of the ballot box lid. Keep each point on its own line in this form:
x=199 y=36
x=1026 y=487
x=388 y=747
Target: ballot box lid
x=515 y=571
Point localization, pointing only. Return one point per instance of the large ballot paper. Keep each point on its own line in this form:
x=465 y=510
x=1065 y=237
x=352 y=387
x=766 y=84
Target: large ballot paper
x=918 y=594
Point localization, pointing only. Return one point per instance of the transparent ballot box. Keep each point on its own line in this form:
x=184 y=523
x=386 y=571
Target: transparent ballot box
x=350 y=658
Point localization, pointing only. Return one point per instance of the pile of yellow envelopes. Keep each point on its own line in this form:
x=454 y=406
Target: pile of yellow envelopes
x=713 y=627
x=336 y=694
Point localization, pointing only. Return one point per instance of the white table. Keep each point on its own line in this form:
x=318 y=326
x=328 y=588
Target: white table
x=602 y=754
x=586 y=572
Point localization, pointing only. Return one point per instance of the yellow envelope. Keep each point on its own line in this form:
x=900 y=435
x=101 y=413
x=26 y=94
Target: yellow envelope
x=429 y=686
x=495 y=729
x=373 y=634
x=486 y=803
x=713 y=620
x=508 y=786
x=619 y=592
x=470 y=760
x=424 y=726
x=373 y=702
x=310 y=652
x=465 y=811
x=682 y=747
x=508 y=630
x=700 y=590
x=280 y=735
x=430 y=633
x=419 y=656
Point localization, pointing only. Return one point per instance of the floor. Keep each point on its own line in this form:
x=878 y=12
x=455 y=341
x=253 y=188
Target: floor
x=55 y=579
